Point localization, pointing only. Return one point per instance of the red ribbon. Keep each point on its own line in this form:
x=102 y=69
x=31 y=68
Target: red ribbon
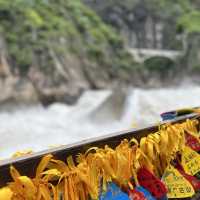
x=192 y=142
x=149 y=181
x=193 y=180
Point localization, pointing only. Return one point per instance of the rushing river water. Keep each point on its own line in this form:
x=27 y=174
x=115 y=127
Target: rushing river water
x=95 y=114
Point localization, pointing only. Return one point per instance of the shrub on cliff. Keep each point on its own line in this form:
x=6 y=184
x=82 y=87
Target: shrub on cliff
x=34 y=29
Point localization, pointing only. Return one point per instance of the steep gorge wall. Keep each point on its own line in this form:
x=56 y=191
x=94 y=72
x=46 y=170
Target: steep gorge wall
x=141 y=23
x=58 y=49
x=161 y=25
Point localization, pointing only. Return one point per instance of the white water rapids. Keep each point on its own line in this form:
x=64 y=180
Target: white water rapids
x=96 y=113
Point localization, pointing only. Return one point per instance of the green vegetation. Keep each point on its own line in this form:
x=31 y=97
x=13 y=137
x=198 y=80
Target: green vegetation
x=191 y=21
x=32 y=28
x=185 y=13
x=160 y=66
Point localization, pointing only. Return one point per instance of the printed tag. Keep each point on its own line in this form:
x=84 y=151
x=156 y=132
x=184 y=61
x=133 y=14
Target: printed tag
x=113 y=193
x=190 y=161
x=145 y=192
x=192 y=142
x=193 y=180
x=136 y=195
x=177 y=185
x=151 y=183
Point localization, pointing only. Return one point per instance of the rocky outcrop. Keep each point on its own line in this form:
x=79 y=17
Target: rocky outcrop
x=68 y=80
x=15 y=90
x=69 y=77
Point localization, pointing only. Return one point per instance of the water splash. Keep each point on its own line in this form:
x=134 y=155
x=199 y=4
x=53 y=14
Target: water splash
x=96 y=113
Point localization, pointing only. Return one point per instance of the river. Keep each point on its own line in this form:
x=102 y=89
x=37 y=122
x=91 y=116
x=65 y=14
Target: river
x=96 y=113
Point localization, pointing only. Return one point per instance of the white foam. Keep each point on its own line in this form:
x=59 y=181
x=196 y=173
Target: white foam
x=37 y=127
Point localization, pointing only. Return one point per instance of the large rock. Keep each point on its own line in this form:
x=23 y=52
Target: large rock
x=69 y=78
x=15 y=90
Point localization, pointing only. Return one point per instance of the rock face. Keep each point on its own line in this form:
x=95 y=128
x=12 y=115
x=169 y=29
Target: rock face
x=61 y=49
x=140 y=23
x=67 y=82
x=70 y=78
x=57 y=59
x=15 y=90
x=192 y=56
x=160 y=25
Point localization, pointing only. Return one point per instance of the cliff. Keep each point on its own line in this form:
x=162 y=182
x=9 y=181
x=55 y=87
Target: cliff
x=57 y=49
